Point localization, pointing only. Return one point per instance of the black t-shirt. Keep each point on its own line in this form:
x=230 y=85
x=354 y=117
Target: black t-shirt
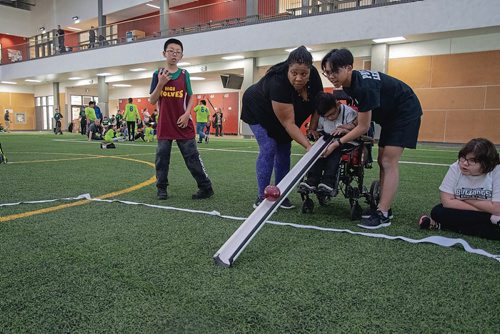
x=257 y=102
x=390 y=99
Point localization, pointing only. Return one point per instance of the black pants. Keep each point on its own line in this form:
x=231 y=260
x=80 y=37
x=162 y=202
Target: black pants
x=83 y=127
x=325 y=169
x=131 y=130
x=218 y=130
x=192 y=160
x=468 y=222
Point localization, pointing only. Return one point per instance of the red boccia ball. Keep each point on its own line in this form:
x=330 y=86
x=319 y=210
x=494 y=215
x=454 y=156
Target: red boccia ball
x=272 y=193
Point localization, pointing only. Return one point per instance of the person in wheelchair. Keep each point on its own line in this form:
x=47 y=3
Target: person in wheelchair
x=337 y=119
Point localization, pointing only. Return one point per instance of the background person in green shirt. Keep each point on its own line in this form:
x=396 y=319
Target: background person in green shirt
x=131 y=116
x=202 y=117
x=110 y=137
x=90 y=114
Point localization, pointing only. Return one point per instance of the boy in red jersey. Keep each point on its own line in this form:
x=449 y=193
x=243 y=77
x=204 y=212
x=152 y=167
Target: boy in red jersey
x=171 y=89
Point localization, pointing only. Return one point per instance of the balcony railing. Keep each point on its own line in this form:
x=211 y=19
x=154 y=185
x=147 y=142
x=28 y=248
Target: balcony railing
x=223 y=15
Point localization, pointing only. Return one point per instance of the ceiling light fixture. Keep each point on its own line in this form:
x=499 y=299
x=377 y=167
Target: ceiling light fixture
x=121 y=85
x=103 y=74
x=154 y=6
x=74 y=78
x=42 y=29
x=290 y=50
x=32 y=80
x=233 y=57
x=183 y=63
x=76 y=19
x=389 y=39
x=137 y=69
x=74 y=29
x=197 y=78
x=9 y=82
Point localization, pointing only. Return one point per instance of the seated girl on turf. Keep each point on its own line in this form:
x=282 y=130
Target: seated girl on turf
x=470 y=193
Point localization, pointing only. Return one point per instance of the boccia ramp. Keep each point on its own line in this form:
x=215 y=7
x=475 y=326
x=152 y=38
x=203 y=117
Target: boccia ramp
x=233 y=247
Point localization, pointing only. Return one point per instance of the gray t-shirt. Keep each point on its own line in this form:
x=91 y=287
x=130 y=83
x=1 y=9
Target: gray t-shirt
x=481 y=187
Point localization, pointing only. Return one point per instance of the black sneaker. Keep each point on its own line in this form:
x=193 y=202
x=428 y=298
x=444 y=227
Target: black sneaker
x=286 y=204
x=327 y=190
x=199 y=141
x=304 y=186
x=426 y=223
x=203 y=193
x=162 y=194
x=375 y=221
x=257 y=202
x=368 y=212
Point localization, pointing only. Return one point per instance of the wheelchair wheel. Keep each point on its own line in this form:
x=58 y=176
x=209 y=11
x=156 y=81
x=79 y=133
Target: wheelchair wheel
x=374 y=194
x=356 y=211
x=308 y=206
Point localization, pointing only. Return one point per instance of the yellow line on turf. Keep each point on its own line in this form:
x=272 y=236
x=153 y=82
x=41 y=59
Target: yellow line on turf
x=146 y=183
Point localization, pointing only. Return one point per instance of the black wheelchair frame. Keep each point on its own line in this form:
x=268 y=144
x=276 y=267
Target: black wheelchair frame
x=349 y=181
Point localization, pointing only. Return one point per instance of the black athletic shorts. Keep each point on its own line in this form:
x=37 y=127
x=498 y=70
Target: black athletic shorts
x=401 y=134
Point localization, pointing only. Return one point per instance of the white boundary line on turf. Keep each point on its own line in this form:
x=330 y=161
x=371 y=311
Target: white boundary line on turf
x=436 y=240
x=236 y=151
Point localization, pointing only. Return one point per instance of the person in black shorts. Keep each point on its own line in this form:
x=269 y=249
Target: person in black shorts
x=389 y=102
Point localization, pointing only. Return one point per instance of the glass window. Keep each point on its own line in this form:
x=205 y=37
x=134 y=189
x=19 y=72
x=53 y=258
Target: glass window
x=50 y=101
x=76 y=100
x=37 y=101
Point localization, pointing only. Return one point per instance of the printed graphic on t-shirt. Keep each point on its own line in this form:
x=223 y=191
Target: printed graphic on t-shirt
x=169 y=91
x=365 y=74
x=473 y=193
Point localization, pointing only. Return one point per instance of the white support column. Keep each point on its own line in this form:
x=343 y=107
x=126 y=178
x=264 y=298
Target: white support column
x=380 y=56
x=164 y=18
x=103 y=93
x=249 y=72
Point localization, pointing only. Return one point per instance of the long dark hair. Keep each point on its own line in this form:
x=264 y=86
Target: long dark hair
x=298 y=56
x=484 y=152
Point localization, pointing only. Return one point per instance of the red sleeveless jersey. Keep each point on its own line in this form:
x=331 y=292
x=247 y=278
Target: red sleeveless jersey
x=173 y=101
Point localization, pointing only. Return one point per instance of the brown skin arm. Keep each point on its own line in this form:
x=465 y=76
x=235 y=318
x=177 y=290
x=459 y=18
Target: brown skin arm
x=285 y=114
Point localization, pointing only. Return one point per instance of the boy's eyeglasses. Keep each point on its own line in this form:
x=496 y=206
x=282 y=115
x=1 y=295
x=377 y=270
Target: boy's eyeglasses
x=471 y=161
x=174 y=53
x=330 y=73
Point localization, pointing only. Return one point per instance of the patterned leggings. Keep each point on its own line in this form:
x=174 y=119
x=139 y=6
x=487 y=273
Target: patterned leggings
x=272 y=155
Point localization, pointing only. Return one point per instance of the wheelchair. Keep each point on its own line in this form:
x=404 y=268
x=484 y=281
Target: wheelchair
x=348 y=181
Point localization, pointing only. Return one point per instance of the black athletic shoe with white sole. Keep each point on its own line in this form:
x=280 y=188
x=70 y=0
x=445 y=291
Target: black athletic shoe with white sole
x=286 y=204
x=368 y=212
x=375 y=221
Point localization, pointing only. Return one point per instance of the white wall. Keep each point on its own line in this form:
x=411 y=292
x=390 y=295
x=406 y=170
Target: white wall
x=16 y=89
x=50 y=13
x=407 y=19
x=15 y=21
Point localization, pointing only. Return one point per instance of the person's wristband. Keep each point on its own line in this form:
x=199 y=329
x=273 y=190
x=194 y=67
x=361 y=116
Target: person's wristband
x=338 y=141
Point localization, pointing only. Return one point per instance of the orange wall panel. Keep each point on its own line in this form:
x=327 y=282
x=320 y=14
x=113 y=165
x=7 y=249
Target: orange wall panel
x=466 y=69
x=19 y=103
x=4 y=99
x=492 y=97
x=432 y=127
x=463 y=125
x=452 y=98
x=22 y=99
x=416 y=72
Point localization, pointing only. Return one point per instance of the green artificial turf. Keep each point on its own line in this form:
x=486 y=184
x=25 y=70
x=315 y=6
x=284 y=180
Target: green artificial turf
x=115 y=268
